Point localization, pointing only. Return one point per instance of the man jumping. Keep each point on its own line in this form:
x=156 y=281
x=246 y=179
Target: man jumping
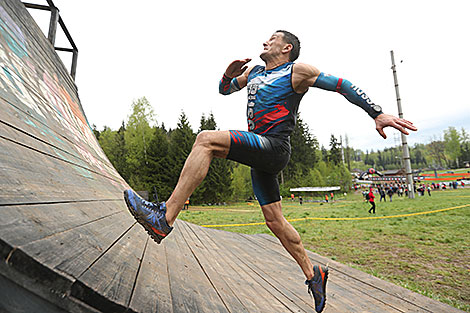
x=274 y=94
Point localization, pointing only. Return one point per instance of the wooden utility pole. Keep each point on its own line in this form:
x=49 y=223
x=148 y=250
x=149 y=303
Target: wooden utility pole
x=406 y=150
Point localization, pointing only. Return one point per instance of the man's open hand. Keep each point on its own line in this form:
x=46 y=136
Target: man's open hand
x=385 y=120
x=236 y=68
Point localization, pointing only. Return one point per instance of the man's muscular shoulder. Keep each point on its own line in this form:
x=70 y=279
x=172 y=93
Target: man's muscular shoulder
x=303 y=76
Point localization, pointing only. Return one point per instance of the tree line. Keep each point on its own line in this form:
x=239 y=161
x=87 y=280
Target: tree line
x=450 y=151
x=148 y=155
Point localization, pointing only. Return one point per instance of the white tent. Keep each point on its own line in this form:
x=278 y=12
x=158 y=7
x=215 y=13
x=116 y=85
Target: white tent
x=312 y=189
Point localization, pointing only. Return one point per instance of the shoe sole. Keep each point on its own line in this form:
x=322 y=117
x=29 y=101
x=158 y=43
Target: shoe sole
x=325 y=271
x=157 y=238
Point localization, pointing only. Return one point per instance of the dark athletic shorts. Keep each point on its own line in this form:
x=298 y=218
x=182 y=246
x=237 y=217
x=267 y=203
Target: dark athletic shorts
x=266 y=156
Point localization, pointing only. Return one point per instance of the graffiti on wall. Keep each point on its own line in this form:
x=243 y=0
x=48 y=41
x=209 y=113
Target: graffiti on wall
x=42 y=99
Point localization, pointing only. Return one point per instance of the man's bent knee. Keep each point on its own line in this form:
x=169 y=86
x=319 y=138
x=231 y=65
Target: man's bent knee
x=203 y=138
x=217 y=142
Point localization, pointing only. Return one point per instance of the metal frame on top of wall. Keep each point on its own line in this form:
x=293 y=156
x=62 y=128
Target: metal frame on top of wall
x=56 y=19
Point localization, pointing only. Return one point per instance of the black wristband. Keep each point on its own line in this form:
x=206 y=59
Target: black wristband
x=375 y=114
x=374 y=111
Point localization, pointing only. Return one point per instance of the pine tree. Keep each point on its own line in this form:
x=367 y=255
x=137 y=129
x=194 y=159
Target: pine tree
x=113 y=145
x=303 y=157
x=181 y=143
x=120 y=153
x=335 y=151
x=216 y=186
x=159 y=171
x=241 y=182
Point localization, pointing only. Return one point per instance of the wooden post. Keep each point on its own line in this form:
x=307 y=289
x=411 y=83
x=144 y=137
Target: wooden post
x=53 y=24
x=406 y=151
x=73 y=70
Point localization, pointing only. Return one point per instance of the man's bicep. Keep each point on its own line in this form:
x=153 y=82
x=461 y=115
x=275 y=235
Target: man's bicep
x=312 y=74
x=304 y=76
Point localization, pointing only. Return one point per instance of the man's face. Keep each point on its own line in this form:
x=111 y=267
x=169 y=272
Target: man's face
x=273 y=46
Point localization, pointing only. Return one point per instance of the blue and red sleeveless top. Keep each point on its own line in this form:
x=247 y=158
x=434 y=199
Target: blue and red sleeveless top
x=272 y=101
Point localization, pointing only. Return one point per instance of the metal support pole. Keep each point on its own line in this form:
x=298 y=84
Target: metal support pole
x=73 y=70
x=56 y=19
x=342 y=149
x=406 y=151
x=53 y=24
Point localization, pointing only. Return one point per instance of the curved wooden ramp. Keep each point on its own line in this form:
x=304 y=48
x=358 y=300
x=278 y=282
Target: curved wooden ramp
x=68 y=244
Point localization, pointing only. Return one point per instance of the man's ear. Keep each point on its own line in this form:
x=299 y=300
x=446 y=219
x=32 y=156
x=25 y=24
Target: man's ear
x=287 y=48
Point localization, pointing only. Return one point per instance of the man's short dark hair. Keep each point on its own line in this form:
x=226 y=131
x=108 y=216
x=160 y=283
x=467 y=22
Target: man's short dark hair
x=294 y=41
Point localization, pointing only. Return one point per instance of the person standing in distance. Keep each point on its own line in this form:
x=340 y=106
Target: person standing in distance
x=371 y=198
x=274 y=93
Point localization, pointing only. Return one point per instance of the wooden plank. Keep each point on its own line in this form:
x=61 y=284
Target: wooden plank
x=34 y=72
x=27 y=176
x=16 y=142
x=37 y=44
x=191 y=291
x=212 y=269
x=33 y=85
x=61 y=128
x=152 y=289
x=77 y=140
x=16 y=121
x=21 y=225
x=233 y=274
x=265 y=263
x=55 y=261
x=344 y=293
x=272 y=269
x=276 y=262
x=402 y=298
x=108 y=283
x=18 y=299
x=338 y=286
x=266 y=298
x=72 y=251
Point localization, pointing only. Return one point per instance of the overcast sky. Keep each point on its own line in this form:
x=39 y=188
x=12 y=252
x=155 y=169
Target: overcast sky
x=175 y=52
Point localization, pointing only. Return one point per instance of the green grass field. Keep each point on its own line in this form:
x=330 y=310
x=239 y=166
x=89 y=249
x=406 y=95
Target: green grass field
x=427 y=253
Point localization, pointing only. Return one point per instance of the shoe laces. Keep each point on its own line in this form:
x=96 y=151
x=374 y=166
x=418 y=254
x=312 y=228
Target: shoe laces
x=158 y=208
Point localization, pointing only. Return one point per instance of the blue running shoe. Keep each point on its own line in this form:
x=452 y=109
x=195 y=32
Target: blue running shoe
x=150 y=215
x=317 y=286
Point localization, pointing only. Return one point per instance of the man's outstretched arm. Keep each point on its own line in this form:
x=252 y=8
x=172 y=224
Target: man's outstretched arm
x=235 y=77
x=350 y=91
x=310 y=76
x=357 y=96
